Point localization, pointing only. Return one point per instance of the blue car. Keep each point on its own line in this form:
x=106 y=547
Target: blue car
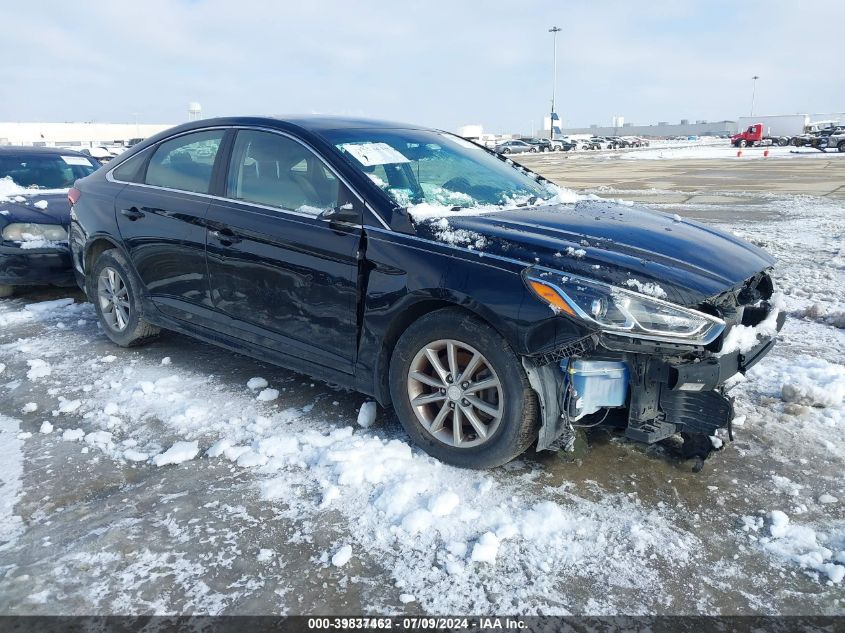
x=489 y=308
x=35 y=215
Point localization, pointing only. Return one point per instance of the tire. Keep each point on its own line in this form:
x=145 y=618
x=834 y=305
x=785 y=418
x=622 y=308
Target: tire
x=506 y=151
x=783 y=142
x=509 y=433
x=742 y=143
x=112 y=276
x=533 y=150
x=840 y=147
x=6 y=291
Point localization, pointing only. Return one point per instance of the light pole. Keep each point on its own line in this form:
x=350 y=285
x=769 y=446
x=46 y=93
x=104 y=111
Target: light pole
x=753 y=92
x=554 y=31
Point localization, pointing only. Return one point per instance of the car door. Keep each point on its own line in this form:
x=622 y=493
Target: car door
x=285 y=275
x=161 y=220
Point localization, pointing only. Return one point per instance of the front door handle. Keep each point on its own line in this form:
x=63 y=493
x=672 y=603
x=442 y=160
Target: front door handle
x=225 y=236
x=133 y=213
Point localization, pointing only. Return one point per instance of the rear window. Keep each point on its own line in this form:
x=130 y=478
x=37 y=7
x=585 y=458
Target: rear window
x=45 y=171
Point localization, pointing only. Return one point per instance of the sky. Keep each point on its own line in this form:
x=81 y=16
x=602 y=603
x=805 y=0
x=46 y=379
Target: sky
x=437 y=63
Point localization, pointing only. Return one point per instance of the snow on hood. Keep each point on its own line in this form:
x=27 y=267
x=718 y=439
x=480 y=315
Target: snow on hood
x=40 y=206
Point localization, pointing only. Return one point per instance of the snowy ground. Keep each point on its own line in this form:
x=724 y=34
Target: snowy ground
x=725 y=150
x=179 y=478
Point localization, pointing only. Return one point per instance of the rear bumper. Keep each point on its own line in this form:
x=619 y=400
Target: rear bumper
x=35 y=267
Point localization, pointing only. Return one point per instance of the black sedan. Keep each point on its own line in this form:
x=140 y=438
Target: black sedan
x=35 y=214
x=490 y=308
x=540 y=144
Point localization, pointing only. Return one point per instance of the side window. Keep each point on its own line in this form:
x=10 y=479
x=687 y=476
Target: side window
x=274 y=170
x=129 y=170
x=185 y=162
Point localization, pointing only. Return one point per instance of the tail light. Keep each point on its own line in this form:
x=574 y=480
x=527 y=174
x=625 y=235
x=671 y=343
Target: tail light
x=73 y=195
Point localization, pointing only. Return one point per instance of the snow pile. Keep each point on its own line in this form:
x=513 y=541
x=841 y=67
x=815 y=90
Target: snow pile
x=818 y=384
x=342 y=556
x=257 y=383
x=72 y=435
x=266 y=395
x=11 y=474
x=393 y=493
x=176 y=454
x=9 y=189
x=367 y=414
x=457 y=237
x=828 y=315
x=577 y=253
x=743 y=338
x=809 y=549
x=647 y=288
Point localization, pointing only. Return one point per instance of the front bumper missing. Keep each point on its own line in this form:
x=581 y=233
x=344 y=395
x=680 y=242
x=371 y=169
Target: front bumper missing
x=666 y=396
x=669 y=397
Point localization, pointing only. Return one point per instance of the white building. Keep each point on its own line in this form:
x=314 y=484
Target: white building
x=75 y=134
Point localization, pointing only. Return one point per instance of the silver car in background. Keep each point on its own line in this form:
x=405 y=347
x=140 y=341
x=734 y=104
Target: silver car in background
x=514 y=147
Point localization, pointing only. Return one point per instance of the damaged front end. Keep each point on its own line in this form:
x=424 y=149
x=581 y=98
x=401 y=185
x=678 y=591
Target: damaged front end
x=666 y=364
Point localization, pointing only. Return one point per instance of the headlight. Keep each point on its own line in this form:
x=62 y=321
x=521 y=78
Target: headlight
x=619 y=311
x=21 y=232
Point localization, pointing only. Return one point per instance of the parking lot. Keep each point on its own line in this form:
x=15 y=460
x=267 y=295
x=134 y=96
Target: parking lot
x=341 y=518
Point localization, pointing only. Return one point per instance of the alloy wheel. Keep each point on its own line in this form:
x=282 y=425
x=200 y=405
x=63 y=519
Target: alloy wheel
x=455 y=393
x=113 y=295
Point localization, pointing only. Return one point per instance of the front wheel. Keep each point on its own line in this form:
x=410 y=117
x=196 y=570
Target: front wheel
x=742 y=143
x=841 y=146
x=115 y=291
x=460 y=391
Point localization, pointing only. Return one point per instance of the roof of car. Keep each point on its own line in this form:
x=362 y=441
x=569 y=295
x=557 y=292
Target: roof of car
x=28 y=149
x=314 y=123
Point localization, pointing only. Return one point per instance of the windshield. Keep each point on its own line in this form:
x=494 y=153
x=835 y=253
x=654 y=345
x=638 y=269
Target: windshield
x=45 y=171
x=433 y=173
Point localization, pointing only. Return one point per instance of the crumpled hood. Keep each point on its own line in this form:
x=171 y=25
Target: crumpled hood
x=628 y=246
x=57 y=210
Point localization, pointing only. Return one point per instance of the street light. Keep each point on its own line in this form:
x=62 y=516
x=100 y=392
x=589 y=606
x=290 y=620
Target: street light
x=554 y=31
x=753 y=92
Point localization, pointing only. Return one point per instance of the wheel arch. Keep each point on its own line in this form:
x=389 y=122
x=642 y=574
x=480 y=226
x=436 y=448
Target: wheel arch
x=420 y=307
x=95 y=247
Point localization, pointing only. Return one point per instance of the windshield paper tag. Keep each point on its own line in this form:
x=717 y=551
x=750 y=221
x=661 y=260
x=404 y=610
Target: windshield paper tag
x=369 y=154
x=76 y=160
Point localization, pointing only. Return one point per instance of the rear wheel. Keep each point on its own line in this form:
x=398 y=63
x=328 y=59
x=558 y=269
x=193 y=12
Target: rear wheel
x=841 y=146
x=460 y=391
x=6 y=291
x=114 y=289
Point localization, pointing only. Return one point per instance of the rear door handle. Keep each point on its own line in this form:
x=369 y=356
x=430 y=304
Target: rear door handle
x=225 y=236
x=133 y=213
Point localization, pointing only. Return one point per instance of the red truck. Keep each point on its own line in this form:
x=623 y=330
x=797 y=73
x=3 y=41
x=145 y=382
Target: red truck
x=754 y=137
